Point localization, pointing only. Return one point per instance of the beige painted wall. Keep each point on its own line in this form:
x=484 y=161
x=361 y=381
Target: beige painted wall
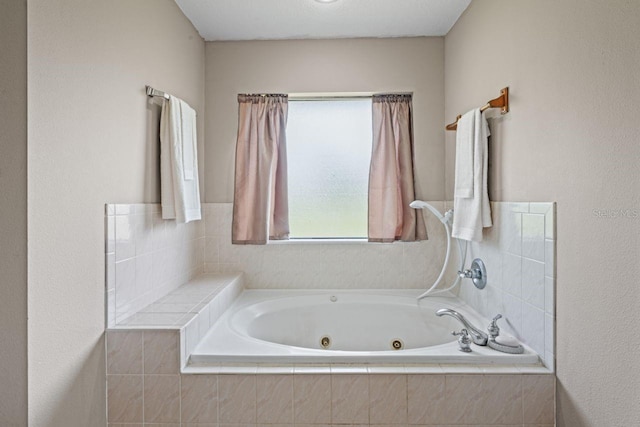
x=572 y=137
x=13 y=213
x=303 y=66
x=92 y=140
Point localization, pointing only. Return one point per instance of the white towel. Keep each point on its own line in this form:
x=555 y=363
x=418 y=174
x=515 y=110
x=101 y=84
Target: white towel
x=179 y=185
x=465 y=137
x=471 y=209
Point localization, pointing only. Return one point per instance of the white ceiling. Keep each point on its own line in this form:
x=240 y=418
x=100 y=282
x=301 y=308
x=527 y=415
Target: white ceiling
x=308 y=19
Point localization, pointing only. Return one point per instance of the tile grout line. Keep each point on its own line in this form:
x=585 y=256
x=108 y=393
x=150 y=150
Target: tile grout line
x=177 y=337
x=522 y=399
x=217 y=398
x=368 y=399
x=143 y=371
x=330 y=398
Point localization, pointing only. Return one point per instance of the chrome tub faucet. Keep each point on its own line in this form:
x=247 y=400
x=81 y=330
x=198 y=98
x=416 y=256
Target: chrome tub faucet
x=477 y=336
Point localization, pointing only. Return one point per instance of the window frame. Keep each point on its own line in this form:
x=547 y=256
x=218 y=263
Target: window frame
x=296 y=97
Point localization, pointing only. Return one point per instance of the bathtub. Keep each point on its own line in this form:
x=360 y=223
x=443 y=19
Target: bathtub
x=343 y=326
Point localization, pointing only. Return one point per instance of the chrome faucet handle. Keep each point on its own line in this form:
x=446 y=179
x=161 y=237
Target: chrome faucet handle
x=477 y=273
x=470 y=273
x=463 y=341
x=494 y=329
x=464 y=274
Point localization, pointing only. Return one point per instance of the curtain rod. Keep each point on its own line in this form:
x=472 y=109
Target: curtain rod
x=328 y=98
x=337 y=96
x=501 y=102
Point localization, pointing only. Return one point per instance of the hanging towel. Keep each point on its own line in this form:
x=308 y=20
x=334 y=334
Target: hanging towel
x=179 y=162
x=472 y=211
x=464 y=155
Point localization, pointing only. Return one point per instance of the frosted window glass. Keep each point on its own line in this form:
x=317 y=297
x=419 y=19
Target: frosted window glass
x=329 y=151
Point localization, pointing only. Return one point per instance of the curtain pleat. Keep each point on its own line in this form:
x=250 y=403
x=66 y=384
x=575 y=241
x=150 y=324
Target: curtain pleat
x=391 y=180
x=260 y=208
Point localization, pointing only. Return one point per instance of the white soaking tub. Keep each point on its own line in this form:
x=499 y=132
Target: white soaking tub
x=343 y=326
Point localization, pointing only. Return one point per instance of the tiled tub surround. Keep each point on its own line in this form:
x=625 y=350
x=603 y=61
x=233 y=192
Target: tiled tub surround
x=519 y=254
x=324 y=265
x=147 y=257
x=189 y=311
x=145 y=387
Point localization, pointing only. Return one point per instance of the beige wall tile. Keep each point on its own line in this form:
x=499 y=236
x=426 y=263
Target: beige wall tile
x=388 y=399
x=503 y=399
x=199 y=394
x=124 y=398
x=349 y=399
x=538 y=394
x=425 y=395
x=124 y=352
x=161 y=352
x=312 y=399
x=274 y=399
x=237 y=398
x=464 y=399
x=162 y=398
x=199 y=425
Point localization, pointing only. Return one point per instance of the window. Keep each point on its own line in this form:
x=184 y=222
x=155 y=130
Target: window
x=329 y=151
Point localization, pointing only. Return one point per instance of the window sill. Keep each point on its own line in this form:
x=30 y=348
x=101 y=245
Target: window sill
x=319 y=242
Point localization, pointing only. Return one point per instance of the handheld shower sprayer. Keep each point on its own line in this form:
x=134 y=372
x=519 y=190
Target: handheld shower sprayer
x=445 y=220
